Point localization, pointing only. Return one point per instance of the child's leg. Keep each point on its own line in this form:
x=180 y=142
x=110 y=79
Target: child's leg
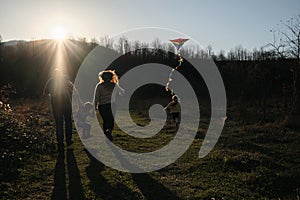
x=103 y=111
x=112 y=112
x=58 y=117
x=86 y=129
x=177 y=122
x=108 y=119
x=176 y=119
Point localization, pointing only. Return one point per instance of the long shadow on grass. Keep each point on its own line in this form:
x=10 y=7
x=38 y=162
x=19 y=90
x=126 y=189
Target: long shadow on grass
x=99 y=184
x=60 y=189
x=75 y=186
x=60 y=184
x=150 y=188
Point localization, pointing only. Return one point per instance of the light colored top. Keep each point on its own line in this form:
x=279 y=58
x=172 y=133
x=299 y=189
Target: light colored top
x=105 y=93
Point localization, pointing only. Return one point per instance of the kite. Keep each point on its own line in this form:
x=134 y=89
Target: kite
x=178 y=43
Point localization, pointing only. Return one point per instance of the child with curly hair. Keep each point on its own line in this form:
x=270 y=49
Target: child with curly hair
x=104 y=99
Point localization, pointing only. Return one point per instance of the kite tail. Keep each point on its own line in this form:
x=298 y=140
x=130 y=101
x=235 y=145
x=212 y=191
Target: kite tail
x=178 y=44
x=170 y=79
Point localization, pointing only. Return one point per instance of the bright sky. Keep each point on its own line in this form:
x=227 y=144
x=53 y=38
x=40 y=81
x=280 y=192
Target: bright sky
x=223 y=24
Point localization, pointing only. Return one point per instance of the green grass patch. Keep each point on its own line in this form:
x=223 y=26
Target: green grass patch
x=250 y=161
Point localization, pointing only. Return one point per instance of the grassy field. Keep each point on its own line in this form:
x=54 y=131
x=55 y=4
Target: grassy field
x=250 y=161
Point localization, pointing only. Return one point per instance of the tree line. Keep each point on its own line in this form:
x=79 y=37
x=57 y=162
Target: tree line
x=270 y=72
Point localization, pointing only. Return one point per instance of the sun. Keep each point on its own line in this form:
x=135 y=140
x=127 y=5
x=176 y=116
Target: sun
x=59 y=33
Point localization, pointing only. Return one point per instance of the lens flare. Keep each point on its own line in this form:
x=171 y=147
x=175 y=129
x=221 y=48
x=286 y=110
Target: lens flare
x=59 y=33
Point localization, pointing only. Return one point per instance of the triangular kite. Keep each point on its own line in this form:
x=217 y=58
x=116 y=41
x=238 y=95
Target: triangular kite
x=178 y=42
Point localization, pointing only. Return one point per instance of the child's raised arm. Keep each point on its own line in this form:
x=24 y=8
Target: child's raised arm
x=120 y=90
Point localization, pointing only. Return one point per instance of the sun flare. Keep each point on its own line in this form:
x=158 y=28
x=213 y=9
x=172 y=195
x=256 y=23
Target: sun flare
x=59 y=33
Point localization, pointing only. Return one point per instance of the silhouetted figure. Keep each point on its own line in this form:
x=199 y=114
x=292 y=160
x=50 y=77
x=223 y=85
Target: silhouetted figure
x=60 y=89
x=104 y=99
x=174 y=109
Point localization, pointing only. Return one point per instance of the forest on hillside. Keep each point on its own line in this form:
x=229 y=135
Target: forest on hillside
x=249 y=76
x=27 y=65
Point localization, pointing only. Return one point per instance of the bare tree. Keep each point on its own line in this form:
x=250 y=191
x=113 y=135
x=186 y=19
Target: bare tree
x=94 y=42
x=191 y=51
x=231 y=55
x=209 y=50
x=221 y=55
x=286 y=44
x=136 y=45
x=82 y=40
x=157 y=43
x=286 y=38
x=127 y=46
x=107 y=42
x=170 y=47
x=122 y=45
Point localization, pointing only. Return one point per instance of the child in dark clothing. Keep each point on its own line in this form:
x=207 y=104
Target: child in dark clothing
x=174 y=109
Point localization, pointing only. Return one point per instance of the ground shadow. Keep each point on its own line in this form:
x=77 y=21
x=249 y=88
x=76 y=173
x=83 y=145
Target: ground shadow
x=99 y=184
x=60 y=185
x=60 y=189
x=75 y=186
x=150 y=188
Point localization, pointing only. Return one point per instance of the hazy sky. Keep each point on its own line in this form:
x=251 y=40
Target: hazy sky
x=221 y=23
